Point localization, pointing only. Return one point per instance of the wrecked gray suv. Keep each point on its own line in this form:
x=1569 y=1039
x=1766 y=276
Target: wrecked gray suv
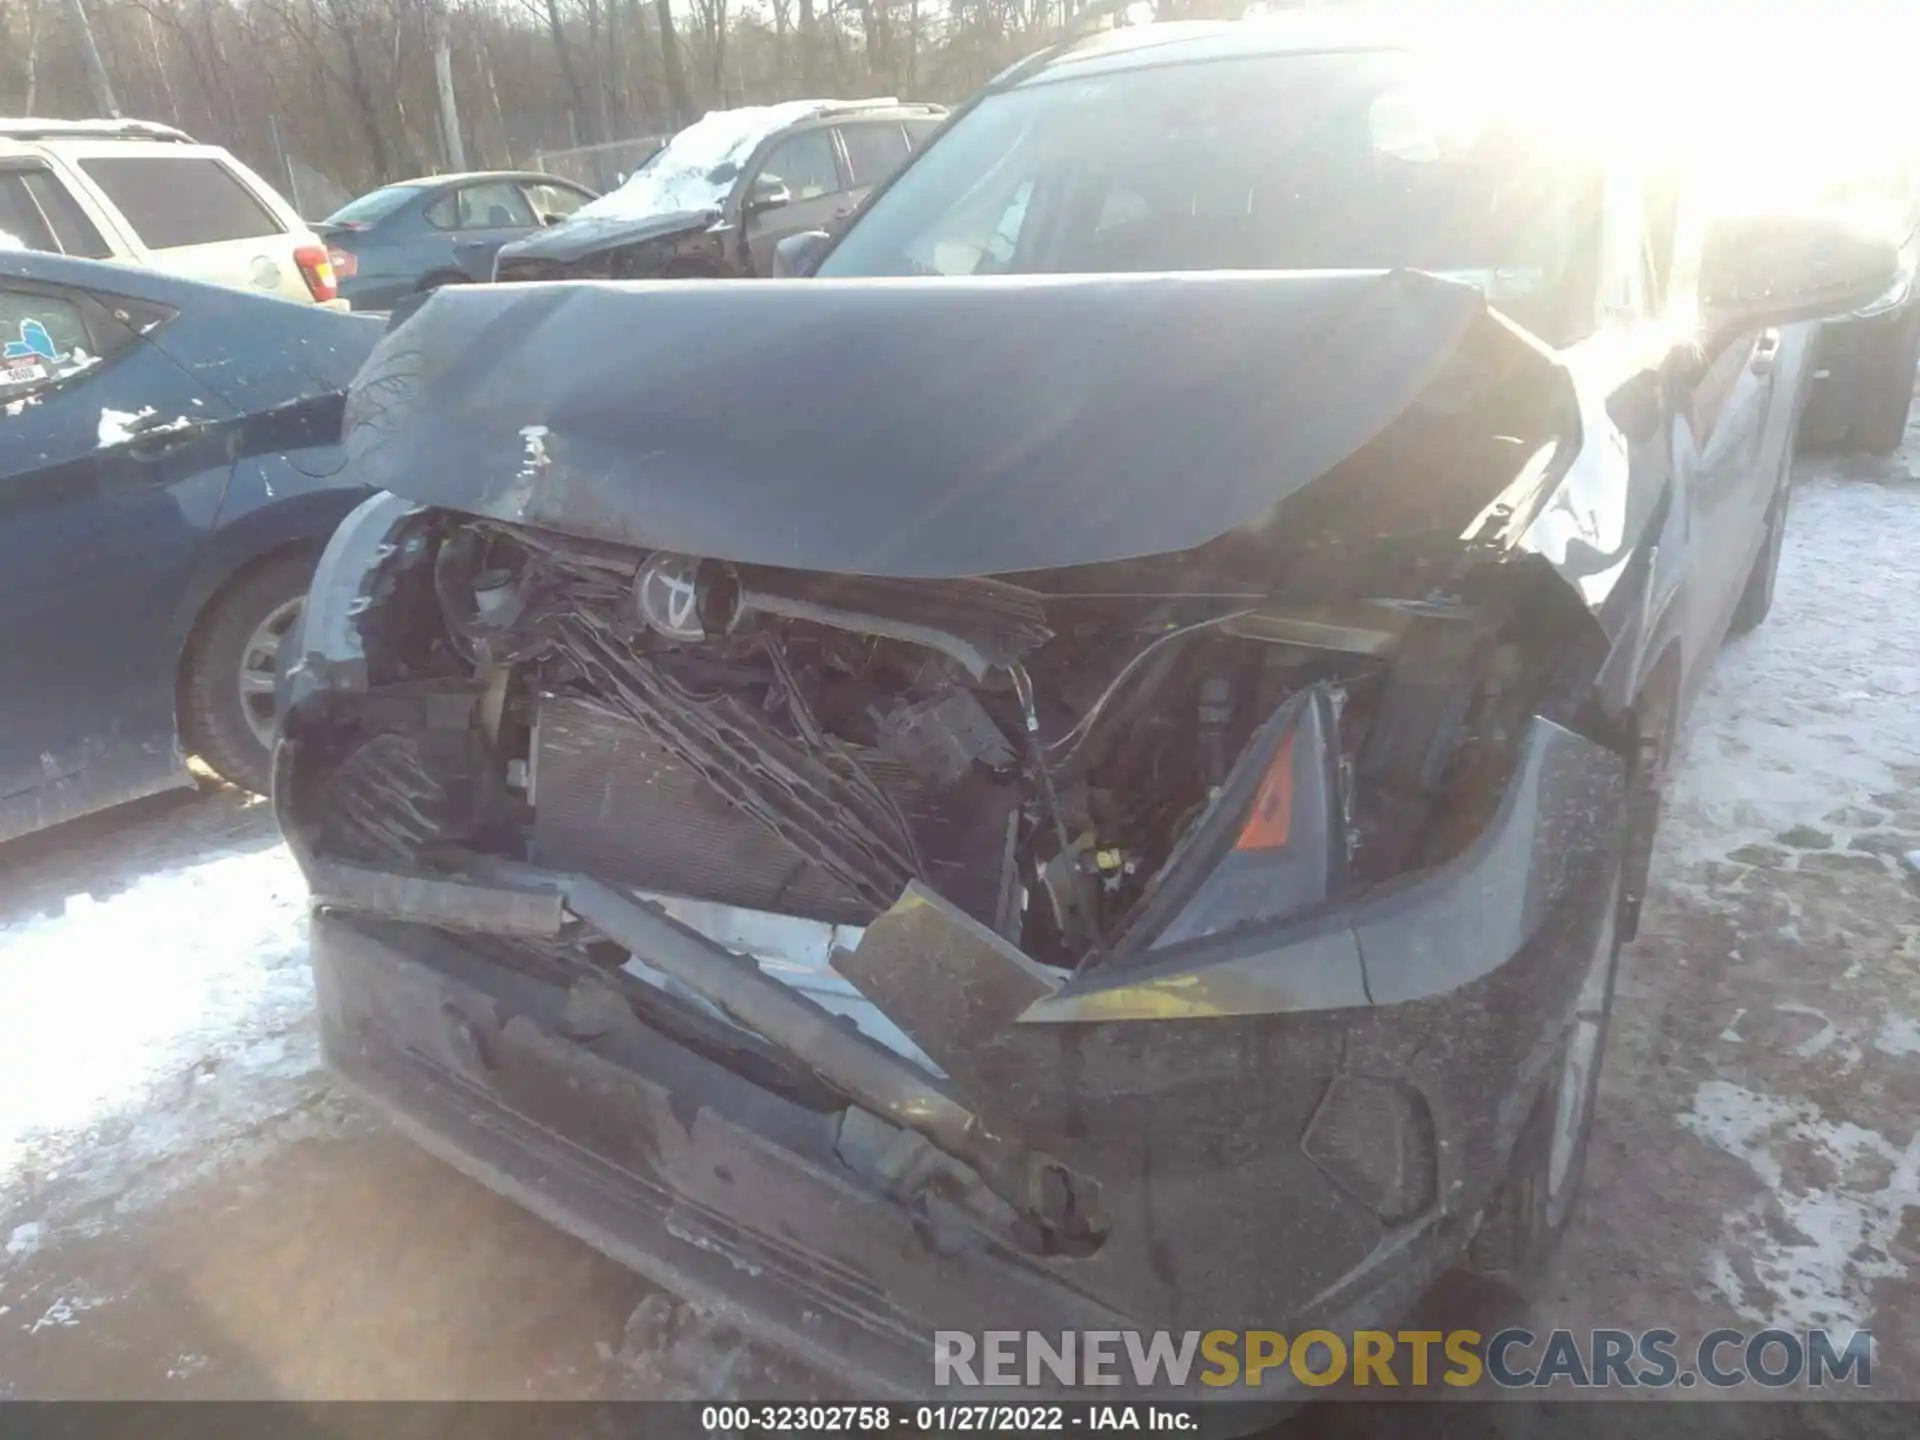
x=1096 y=782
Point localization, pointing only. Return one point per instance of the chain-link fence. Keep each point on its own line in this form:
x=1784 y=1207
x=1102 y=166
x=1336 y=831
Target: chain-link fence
x=603 y=167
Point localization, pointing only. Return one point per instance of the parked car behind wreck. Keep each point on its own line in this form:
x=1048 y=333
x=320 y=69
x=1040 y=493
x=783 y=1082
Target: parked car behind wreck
x=169 y=471
x=717 y=199
x=1201 y=727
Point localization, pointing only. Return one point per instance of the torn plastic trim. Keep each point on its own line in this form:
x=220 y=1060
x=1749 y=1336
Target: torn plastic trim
x=1417 y=939
x=1580 y=503
x=332 y=655
x=1061 y=1204
x=530 y=910
x=1064 y=1204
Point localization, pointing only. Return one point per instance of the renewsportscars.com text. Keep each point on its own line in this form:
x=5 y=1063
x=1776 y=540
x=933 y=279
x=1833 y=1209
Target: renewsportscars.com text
x=1511 y=1359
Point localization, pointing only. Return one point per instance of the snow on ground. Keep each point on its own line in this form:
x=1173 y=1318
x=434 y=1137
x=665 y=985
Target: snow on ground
x=145 y=1032
x=1816 y=707
x=1767 y=1013
x=1837 y=1239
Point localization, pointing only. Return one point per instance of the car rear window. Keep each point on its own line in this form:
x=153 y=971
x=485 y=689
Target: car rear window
x=373 y=206
x=42 y=339
x=173 y=200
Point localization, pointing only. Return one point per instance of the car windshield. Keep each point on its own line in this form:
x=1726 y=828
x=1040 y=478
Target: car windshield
x=1291 y=162
x=696 y=169
x=372 y=206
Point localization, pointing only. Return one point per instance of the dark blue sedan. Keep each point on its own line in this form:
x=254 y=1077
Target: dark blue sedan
x=441 y=230
x=169 y=473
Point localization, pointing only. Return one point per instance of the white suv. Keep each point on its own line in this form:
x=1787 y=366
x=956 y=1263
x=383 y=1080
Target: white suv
x=147 y=195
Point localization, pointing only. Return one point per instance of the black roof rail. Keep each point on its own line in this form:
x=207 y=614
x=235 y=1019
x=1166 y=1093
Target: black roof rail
x=1083 y=23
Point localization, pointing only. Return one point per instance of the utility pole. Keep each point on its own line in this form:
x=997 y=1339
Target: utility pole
x=96 y=72
x=443 y=74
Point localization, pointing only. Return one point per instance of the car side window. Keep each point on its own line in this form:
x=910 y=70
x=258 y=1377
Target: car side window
x=555 y=201
x=496 y=205
x=919 y=132
x=874 y=150
x=44 y=339
x=444 y=213
x=39 y=213
x=804 y=164
x=23 y=226
x=179 y=200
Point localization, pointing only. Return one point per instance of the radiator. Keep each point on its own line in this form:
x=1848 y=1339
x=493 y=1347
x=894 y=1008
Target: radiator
x=609 y=800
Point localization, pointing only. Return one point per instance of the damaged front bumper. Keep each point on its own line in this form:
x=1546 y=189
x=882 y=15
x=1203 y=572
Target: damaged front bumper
x=1293 y=1126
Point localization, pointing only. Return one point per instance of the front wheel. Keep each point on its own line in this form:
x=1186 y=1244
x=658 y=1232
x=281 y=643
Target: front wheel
x=1880 y=417
x=1525 y=1222
x=228 y=685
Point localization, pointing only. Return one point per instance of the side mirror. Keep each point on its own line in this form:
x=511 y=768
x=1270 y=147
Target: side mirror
x=550 y=220
x=768 y=193
x=794 y=257
x=1778 y=269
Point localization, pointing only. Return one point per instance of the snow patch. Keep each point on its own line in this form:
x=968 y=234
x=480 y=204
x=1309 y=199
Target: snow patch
x=1813 y=1248
x=116 y=426
x=153 y=1028
x=1898 y=1035
x=186 y=1364
x=65 y=1312
x=25 y=1240
x=698 y=167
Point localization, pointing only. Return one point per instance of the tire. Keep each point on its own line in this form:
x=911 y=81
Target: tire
x=229 y=674
x=1757 y=598
x=1524 y=1225
x=1880 y=414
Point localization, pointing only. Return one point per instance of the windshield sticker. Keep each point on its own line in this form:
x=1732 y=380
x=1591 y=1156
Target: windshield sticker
x=35 y=345
x=21 y=372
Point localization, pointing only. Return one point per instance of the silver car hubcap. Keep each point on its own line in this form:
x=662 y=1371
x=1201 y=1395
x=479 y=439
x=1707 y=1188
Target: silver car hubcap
x=260 y=669
x=1581 y=1071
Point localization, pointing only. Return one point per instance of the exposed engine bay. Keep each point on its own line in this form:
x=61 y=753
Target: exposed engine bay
x=1039 y=751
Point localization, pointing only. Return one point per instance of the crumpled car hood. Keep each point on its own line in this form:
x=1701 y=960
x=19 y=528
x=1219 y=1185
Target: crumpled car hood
x=907 y=428
x=572 y=239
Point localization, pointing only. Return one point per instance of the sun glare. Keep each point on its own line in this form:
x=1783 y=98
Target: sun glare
x=1773 y=104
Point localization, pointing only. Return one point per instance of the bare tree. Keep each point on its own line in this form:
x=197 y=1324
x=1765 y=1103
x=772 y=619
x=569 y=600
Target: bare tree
x=456 y=151
x=670 y=62
x=565 y=57
x=347 y=90
x=90 y=51
x=33 y=54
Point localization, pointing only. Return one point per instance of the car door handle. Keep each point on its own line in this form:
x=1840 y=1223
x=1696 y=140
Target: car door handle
x=1765 y=351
